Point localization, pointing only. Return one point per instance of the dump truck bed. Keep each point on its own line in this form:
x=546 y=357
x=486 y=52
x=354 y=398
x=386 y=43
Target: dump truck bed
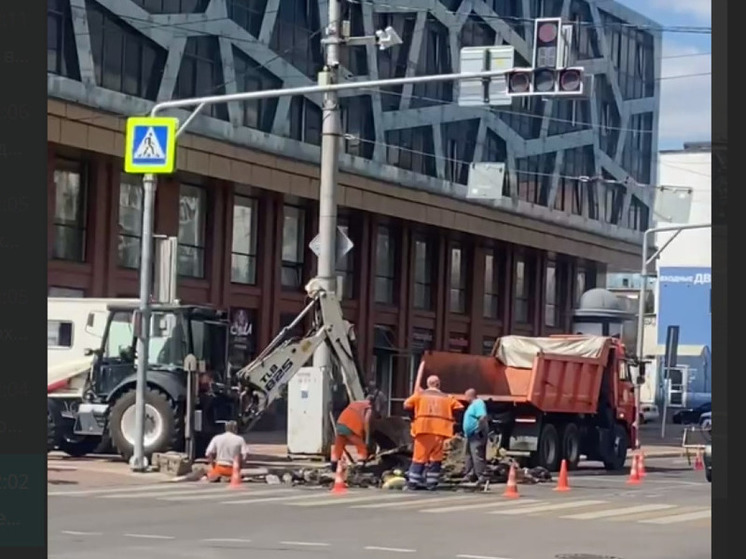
x=557 y=374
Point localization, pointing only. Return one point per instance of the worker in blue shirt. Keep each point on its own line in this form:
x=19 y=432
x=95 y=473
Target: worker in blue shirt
x=475 y=429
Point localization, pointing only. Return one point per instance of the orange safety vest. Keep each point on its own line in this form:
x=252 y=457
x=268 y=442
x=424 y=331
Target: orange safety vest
x=433 y=413
x=353 y=417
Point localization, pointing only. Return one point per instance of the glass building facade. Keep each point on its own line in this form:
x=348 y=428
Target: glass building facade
x=575 y=156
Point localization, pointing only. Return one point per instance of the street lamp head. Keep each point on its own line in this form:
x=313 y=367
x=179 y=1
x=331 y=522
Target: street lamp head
x=388 y=38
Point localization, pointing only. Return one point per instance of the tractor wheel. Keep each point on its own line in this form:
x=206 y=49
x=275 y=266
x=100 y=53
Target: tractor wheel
x=164 y=424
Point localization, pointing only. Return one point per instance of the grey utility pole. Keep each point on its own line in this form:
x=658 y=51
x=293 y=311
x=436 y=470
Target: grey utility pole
x=646 y=261
x=331 y=132
x=138 y=462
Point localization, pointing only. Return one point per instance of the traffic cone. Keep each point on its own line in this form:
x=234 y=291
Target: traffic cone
x=511 y=489
x=641 y=473
x=339 y=487
x=562 y=482
x=634 y=472
x=698 y=461
x=236 y=474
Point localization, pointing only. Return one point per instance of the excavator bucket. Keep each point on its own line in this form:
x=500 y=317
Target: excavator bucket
x=391 y=432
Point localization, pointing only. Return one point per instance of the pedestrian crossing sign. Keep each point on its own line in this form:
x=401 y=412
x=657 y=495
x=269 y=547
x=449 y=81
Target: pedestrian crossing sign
x=150 y=145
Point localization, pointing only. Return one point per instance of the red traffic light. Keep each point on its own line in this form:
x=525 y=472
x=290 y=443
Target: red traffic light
x=570 y=80
x=547 y=32
x=519 y=82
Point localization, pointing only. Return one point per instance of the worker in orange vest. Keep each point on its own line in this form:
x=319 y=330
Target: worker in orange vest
x=432 y=426
x=353 y=428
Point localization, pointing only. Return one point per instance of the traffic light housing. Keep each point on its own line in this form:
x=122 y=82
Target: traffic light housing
x=550 y=82
x=548 y=42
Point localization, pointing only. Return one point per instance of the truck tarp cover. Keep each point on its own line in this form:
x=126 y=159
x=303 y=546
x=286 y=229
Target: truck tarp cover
x=520 y=351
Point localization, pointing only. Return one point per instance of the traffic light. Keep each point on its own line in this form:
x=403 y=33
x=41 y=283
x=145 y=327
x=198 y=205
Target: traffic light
x=549 y=82
x=547 y=42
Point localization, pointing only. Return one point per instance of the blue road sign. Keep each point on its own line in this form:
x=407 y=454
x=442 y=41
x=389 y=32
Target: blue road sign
x=150 y=145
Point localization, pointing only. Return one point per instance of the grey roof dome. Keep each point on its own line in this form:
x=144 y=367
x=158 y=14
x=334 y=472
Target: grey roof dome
x=601 y=302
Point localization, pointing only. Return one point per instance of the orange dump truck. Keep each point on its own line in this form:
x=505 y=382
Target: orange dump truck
x=550 y=398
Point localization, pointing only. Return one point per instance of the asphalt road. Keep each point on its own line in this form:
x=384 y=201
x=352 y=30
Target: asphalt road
x=666 y=516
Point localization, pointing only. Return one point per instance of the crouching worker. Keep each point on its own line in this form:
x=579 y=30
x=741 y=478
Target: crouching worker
x=353 y=429
x=223 y=450
x=431 y=427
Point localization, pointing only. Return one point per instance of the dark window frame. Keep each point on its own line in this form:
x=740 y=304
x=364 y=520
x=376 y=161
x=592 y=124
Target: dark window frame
x=386 y=279
x=250 y=258
x=491 y=299
x=80 y=224
x=127 y=236
x=186 y=249
x=458 y=291
x=522 y=309
x=294 y=268
x=423 y=292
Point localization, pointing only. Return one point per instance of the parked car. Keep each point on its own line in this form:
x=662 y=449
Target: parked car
x=691 y=416
x=649 y=412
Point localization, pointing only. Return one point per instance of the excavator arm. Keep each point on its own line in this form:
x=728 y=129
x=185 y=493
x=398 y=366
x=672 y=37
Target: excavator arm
x=263 y=380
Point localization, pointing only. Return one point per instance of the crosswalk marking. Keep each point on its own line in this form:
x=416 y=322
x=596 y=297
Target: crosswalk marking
x=686 y=517
x=548 y=507
x=478 y=504
x=335 y=500
x=204 y=495
x=82 y=493
x=415 y=502
x=617 y=512
x=493 y=504
x=296 y=497
x=186 y=494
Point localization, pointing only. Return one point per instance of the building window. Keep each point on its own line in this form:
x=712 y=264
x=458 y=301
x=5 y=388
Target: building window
x=491 y=286
x=551 y=296
x=201 y=73
x=243 y=247
x=305 y=121
x=458 y=281
x=192 y=231
x=385 y=266
x=346 y=264
x=130 y=221
x=522 y=289
x=62 y=54
x=579 y=285
x=69 y=212
x=59 y=334
x=258 y=114
x=423 y=274
x=124 y=60
x=293 y=235
x=295 y=37
x=248 y=14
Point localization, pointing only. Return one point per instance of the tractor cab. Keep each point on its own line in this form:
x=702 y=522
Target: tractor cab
x=175 y=332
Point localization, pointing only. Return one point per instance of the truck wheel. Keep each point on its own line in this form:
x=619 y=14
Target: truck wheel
x=617 y=454
x=163 y=424
x=76 y=446
x=571 y=445
x=547 y=454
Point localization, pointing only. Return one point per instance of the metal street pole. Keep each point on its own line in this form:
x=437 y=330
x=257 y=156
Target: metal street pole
x=331 y=132
x=149 y=182
x=676 y=229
